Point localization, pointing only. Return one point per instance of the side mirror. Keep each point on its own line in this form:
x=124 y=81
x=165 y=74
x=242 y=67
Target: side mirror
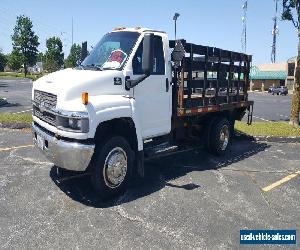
x=147 y=61
x=84 y=51
x=148 y=54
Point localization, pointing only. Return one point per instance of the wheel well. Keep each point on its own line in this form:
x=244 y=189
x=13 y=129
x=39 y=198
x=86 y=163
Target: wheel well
x=120 y=126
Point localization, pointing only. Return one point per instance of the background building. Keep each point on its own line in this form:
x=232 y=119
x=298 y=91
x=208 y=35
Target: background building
x=265 y=75
x=291 y=64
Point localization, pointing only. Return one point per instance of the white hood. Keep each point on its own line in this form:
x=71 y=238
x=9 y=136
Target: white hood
x=68 y=84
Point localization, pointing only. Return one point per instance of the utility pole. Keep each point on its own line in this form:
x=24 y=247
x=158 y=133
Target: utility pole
x=244 y=25
x=72 y=32
x=275 y=32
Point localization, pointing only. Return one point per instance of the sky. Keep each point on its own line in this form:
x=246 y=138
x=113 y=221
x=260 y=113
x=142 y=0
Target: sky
x=215 y=23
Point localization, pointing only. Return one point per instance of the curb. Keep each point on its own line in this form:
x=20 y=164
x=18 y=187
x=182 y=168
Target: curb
x=278 y=139
x=15 y=125
x=3 y=101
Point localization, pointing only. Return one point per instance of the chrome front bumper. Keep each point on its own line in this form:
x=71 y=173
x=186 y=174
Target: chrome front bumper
x=69 y=155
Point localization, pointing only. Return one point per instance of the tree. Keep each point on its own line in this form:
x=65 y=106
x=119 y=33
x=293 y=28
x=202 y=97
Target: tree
x=74 y=56
x=287 y=14
x=54 y=57
x=25 y=42
x=40 y=57
x=3 y=61
x=15 y=60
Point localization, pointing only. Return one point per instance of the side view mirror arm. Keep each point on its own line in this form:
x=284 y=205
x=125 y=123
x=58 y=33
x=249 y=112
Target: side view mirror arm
x=132 y=83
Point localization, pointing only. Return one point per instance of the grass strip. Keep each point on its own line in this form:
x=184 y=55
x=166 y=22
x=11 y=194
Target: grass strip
x=21 y=75
x=23 y=118
x=275 y=129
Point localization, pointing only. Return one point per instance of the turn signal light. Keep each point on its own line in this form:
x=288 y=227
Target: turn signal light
x=85 y=97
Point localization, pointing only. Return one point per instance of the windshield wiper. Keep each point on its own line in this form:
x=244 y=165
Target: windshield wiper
x=91 y=66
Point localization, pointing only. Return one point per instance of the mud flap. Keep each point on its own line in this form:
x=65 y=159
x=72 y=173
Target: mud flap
x=140 y=164
x=250 y=114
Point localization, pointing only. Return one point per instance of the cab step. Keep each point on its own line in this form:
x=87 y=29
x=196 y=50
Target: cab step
x=165 y=149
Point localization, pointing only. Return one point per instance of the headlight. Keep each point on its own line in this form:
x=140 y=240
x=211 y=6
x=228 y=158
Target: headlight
x=73 y=122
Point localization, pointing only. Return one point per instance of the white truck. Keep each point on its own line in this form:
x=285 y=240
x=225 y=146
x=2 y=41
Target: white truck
x=136 y=96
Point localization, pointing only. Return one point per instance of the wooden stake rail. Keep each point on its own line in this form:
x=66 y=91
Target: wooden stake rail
x=210 y=77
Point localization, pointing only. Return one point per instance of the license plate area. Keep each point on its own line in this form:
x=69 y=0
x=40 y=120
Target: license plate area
x=40 y=142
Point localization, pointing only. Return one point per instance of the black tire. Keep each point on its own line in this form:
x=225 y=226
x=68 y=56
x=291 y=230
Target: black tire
x=206 y=133
x=232 y=133
x=216 y=146
x=114 y=146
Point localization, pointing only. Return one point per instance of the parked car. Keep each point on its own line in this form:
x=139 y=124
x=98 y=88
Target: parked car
x=282 y=90
x=270 y=89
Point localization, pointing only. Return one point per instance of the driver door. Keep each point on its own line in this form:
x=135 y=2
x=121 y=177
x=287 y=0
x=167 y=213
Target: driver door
x=152 y=95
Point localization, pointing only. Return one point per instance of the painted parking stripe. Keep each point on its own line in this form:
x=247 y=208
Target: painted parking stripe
x=18 y=147
x=280 y=182
x=261 y=118
x=24 y=111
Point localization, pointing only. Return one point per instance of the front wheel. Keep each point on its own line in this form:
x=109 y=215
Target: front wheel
x=112 y=167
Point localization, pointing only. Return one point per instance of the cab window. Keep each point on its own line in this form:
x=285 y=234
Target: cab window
x=159 y=59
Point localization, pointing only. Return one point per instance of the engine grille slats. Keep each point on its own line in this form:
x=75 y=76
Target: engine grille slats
x=47 y=101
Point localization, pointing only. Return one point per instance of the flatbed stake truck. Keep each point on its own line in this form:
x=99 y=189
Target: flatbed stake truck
x=138 y=96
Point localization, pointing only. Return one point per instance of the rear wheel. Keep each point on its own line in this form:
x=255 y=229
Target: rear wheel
x=112 y=167
x=220 y=136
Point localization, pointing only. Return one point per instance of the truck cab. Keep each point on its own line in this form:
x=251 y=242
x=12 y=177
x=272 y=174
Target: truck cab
x=100 y=115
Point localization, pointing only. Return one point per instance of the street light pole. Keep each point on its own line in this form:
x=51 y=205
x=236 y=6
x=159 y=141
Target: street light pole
x=175 y=19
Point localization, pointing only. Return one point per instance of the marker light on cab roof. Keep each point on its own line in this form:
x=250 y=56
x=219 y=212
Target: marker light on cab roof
x=119 y=28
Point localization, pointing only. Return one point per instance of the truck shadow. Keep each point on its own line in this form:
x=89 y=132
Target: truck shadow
x=159 y=174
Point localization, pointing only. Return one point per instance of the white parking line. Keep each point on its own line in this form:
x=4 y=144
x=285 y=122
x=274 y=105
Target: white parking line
x=261 y=118
x=24 y=111
x=17 y=147
x=285 y=116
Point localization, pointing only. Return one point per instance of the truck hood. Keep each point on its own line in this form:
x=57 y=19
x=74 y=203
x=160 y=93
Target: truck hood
x=68 y=84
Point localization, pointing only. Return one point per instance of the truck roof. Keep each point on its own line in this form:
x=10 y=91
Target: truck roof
x=137 y=29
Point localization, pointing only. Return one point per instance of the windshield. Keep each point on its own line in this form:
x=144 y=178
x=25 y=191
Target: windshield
x=112 y=51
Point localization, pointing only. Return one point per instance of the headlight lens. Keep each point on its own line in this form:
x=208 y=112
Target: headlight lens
x=73 y=124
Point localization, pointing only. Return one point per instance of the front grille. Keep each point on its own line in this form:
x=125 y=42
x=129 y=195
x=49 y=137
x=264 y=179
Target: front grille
x=45 y=99
x=44 y=116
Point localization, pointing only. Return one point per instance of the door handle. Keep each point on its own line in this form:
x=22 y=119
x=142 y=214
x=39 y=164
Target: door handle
x=167 y=85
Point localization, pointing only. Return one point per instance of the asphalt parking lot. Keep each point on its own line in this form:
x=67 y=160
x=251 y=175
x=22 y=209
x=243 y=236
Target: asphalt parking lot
x=270 y=108
x=17 y=91
x=190 y=200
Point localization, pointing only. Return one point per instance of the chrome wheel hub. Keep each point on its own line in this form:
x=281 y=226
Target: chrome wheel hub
x=224 y=137
x=115 y=167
